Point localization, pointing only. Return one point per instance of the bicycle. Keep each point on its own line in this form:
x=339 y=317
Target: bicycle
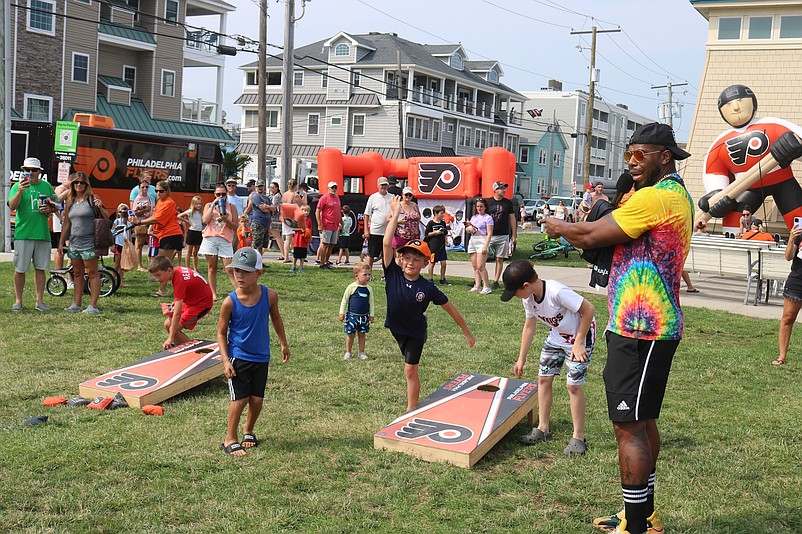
x=57 y=283
x=549 y=248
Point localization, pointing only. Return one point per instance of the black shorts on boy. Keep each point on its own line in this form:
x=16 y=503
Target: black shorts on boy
x=250 y=380
x=635 y=376
x=411 y=348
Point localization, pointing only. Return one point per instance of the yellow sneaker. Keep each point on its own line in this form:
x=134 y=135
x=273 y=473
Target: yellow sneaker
x=654 y=525
x=611 y=522
x=622 y=527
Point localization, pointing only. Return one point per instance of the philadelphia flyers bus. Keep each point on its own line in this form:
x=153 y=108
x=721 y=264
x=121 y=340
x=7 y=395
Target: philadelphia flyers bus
x=114 y=160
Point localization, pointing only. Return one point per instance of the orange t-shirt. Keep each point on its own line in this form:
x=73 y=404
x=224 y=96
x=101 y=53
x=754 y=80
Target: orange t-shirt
x=166 y=215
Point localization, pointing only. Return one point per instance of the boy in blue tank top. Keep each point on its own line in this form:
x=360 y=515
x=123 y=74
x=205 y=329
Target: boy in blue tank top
x=408 y=296
x=243 y=336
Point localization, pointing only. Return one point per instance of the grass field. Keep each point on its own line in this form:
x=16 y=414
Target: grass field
x=731 y=423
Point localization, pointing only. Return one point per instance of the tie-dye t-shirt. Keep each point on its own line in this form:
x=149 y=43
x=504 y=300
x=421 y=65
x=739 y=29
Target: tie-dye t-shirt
x=643 y=295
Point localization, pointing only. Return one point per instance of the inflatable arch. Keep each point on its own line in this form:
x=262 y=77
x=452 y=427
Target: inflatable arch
x=459 y=177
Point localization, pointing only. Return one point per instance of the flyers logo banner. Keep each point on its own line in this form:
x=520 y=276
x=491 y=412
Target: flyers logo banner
x=129 y=381
x=444 y=176
x=98 y=163
x=753 y=144
x=435 y=431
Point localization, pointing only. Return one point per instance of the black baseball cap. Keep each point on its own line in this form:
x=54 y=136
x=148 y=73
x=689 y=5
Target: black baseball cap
x=515 y=276
x=656 y=133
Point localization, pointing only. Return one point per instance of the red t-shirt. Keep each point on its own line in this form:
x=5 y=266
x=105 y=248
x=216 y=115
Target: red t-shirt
x=192 y=288
x=329 y=206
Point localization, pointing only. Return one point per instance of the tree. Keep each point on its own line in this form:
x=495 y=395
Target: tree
x=234 y=163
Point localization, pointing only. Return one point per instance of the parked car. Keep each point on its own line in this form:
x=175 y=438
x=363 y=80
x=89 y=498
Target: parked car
x=532 y=206
x=571 y=205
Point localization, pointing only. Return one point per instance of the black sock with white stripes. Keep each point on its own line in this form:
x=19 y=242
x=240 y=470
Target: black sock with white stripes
x=635 y=507
x=650 y=495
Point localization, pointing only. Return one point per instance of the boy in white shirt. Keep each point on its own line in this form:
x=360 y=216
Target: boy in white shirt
x=571 y=340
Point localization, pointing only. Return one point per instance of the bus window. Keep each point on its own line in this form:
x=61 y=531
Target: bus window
x=210 y=175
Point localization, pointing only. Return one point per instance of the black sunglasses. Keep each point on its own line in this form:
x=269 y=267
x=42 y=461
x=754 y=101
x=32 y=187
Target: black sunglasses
x=220 y=194
x=161 y=190
x=79 y=183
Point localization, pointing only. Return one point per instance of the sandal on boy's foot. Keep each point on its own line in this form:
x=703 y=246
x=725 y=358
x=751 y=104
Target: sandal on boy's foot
x=778 y=361
x=231 y=449
x=576 y=446
x=251 y=440
x=535 y=436
x=157 y=295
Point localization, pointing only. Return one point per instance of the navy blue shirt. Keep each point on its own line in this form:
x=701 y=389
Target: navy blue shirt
x=407 y=302
x=359 y=302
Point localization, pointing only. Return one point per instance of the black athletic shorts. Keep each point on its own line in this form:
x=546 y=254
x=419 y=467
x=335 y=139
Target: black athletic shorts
x=194 y=238
x=172 y=242
x=250 y=381
x=375 y=245
x=411 y=348
x=635 y=376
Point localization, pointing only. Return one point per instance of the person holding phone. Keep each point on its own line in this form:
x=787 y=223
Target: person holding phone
x=32 y=199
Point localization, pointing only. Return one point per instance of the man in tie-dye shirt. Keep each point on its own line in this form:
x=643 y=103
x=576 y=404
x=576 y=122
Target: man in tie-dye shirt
x=651 y=235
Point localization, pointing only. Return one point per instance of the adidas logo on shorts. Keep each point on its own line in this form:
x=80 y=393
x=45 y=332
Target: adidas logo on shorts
x=622 y=406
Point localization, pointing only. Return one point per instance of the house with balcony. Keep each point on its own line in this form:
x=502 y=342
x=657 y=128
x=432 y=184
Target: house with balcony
x=377 y=92
x=757 y=43
x=542 y=157
x=121 y=58
x=613 y=125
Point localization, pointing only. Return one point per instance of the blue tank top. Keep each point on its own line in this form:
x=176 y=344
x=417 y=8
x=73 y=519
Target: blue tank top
x=248 y=329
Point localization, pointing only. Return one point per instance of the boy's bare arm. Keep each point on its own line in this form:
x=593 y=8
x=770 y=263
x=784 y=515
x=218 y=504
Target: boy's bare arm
x=278 y=325
x=387 y=242
x=579 y=352
x=457 y=316
x=175 y=324
x=222 y=337
x=527 y=334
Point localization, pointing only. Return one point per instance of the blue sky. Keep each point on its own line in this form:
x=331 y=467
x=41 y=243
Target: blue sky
x=660 y=41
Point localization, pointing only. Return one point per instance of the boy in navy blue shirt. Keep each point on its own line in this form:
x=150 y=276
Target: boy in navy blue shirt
x=243 y=337
x=408 y=296
x=356 y=309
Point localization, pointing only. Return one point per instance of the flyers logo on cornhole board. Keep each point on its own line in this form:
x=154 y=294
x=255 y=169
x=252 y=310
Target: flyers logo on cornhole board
x=461 y=421
x=160 y=376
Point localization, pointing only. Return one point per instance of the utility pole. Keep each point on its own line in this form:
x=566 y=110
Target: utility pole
x=261 y=148
x=400 y=106
x=5 y=123
x=552 y=129
x=591 y=98
x=286 y=89
x=669 y=105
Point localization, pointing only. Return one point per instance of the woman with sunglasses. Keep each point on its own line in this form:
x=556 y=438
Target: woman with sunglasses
x=165 y=228
x=142 y=204
x=79 y=228
x=408 y=227
x=480 y=227
x=220 y=219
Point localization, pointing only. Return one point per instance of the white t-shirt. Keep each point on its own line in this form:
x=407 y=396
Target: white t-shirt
x=559 y=309
x=378 y=208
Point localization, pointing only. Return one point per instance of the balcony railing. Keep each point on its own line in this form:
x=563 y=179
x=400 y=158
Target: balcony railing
x=600 y=153
x=203 y=40
x=198 y=110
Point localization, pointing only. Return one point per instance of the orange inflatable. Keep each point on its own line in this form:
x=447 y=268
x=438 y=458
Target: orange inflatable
x=436 y=177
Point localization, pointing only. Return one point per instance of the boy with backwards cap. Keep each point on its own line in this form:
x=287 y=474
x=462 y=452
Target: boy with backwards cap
x=571 y=340
x=243 y=337
x=408 y=296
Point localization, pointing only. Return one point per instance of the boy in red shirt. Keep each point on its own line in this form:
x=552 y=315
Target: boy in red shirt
x=301 y=240
x=192 y=299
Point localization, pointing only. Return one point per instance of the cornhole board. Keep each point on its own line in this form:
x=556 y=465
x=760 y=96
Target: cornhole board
x=161 y=376
x=460 y=422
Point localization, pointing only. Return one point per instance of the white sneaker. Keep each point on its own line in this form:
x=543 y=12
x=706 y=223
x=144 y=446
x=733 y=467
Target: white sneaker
x=475 y=289
x=363 y=356
x=347 y=356
x=91 y=310
x=485 y=290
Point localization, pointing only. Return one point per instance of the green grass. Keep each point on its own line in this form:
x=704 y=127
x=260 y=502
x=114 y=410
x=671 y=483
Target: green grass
x=730 y=427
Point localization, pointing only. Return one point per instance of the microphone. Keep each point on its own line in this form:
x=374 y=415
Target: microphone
x=622 y=187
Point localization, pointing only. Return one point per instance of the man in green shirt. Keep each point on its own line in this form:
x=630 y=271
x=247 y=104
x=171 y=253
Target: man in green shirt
x=32 y=198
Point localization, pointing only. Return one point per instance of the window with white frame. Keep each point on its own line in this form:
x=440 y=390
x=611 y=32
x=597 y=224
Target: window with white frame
x=418 y=128
x=298 y=78
x=760 y=28
x=171 y=12
x=791 y=27
x=324 y=79
x=313 y=124
x=358 y=125
x=272 y=116
x=436 y=131
x=556 y=159
x=41 y=16
x=512 y=144
x=493 y=139
x=410 y=126
x=480 y=140
x=524 y=157
x=80 y=68
x=168 y=83
x=355 y=78
x=250 y=119
x=544 y=157
x=456 y=61
x=464 y=136
x=492 y=76
x=252 y=78
x=729 y=28
x=342 y=49
x=38 y=108
x=273 y=78
x=129 y=75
